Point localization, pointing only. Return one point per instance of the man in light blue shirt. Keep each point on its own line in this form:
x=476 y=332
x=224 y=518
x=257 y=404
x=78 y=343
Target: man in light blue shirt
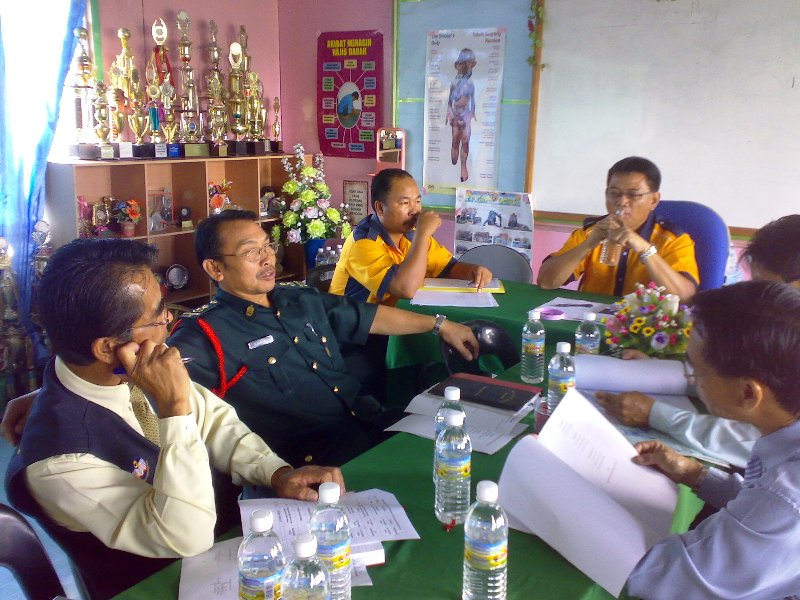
x=773 y=255
x=743 y=360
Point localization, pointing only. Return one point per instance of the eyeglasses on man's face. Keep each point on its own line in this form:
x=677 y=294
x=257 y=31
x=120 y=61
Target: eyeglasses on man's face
x=165 y=316
x=617 y=195
x=691 y=376
x=258 y=253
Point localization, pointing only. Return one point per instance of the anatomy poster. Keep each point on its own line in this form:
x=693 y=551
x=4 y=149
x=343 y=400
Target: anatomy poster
x=488 y=217
x=462 y=107
x=349 y=74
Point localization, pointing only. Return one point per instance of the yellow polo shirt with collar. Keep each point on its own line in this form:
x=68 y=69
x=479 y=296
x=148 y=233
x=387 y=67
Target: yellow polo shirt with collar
x=673 y=244
x=370 y=260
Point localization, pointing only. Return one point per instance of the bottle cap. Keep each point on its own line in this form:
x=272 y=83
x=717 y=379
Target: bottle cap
x=454 y=418
x=305 y=545
x=329 y=492
x=534 y=314
x=260 y=520
x=563 y=347
x=487 y=492
x=452 y=392
x=589 y=316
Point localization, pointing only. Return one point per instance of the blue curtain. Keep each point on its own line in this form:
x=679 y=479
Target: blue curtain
x=36 y=47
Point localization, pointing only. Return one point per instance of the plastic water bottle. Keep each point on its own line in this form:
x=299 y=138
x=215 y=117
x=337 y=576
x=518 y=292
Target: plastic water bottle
x=561 y=375
x=532 y=370
x=587 y=336
x=260 y=559
x=485 y=547
x=305 y=578
x=329 y=524
x=453 y=471
x=338 y=252
x=452 y=397
x=332 y=258
x=320 y=259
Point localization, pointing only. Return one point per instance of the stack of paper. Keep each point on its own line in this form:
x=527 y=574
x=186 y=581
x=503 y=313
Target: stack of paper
x=577 y=488
x=375 y=516
x=489 y=428
x=573 y=309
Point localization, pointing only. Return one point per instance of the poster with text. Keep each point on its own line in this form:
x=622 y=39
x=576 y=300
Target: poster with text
x=489 y=217
x=462 y=108
x=349 y=82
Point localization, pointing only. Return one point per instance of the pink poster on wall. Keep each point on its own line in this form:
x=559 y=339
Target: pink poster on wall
x=349 y=74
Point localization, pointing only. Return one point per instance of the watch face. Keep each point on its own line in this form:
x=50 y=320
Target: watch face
x=177 y=277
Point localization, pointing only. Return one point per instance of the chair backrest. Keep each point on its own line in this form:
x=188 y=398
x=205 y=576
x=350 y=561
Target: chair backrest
x=493 y=340
x=23 y=554
x=502 y=261
x=320 y=277
x=710 y=235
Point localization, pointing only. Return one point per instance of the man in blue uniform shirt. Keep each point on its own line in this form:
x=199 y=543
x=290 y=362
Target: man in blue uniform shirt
x=743 y=359
x=273 y=351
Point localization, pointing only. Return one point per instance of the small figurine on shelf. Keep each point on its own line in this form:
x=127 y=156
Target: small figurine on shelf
x=127 y=214
x=218 y=199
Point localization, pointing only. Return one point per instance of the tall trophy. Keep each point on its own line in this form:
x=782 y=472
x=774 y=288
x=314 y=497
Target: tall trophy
x=169 y=126
x=215 y=89
x=256 y=145
x=84 y=118
x=275 y=143
x=106 y=150
x=237 y=106
x=189 y=123
x=121 y=77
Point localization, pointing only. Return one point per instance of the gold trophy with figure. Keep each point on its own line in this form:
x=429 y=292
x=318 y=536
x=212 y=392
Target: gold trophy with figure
x=237 y=107
x=189 y=123
x=169 y=126
x=121 y=77
x=275 y=144
x=256 y=145
x=218 y=116
x=83 y=85
x=139 y=122
x=101 y=116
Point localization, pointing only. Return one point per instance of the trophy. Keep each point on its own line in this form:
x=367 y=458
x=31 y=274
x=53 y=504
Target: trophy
x=217 y=120
x=169 y=126
x=121 y=77
x=237 y=106
x=189 y=126
x=139 y=121
x=256 y=145
x=84 y=120
x=41 y=236
x=275 y=144
x=215 y=85
x=101 y=116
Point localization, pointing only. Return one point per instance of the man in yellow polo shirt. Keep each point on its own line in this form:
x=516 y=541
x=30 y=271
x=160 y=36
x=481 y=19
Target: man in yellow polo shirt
x=653 y=249
x=391 y=252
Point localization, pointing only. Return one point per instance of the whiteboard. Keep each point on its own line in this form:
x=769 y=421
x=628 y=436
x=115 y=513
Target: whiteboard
x=707 y=89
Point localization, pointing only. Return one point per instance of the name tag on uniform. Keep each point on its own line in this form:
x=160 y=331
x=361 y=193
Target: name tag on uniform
x=260 y=342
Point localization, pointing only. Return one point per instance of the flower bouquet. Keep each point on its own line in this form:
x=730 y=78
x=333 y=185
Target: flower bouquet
x=127 y=210
x=651 y=321
x=218 y=199
x=305 y=210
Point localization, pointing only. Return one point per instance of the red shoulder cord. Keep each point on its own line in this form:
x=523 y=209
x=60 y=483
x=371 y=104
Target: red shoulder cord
x=224 y=384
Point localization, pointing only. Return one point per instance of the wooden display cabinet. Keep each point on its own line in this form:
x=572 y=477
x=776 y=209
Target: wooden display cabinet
x=186 y=180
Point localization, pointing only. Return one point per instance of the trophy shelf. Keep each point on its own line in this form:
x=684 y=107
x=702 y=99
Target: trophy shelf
x=176 y=184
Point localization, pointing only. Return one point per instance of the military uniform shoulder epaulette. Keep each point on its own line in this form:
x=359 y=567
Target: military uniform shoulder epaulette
x=670 y=226
x=200 y=310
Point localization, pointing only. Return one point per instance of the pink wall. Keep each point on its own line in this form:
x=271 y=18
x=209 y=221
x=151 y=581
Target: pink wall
x=260 y=18
x=301 y=21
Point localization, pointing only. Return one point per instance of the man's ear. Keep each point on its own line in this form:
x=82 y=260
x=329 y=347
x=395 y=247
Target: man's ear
x=104 y=349
x=654 y=202
x=378 y=208
x=751 y=393
x=211 y=267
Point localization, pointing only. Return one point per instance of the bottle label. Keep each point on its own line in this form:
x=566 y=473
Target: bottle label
x=485 y=557
x=268 y=588
x=453 y=469
x=588 y=347
x=533 y=347
x=335 y=557
x=562 y=383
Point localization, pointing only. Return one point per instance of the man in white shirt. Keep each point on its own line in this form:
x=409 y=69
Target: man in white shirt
x=773 y=254
x=121 y=473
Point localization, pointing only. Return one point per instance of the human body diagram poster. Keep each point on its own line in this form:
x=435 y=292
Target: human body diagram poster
x=487 y=217
x=349 y=78
x=462 y=107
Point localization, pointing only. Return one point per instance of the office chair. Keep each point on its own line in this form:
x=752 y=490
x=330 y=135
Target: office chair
x=493 y=342
x=320 y=277
x=710 y=235
x=23 y=554
x=502 y=261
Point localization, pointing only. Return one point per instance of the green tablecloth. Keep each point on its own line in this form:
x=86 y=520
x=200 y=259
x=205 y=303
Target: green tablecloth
x=431 y=567
x=512 y=313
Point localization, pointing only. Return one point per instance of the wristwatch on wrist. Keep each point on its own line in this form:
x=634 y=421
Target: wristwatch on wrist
x=437 y=325
x=644 y=256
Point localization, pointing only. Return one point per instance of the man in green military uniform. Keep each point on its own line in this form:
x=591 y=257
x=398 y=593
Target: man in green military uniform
x=273 y=351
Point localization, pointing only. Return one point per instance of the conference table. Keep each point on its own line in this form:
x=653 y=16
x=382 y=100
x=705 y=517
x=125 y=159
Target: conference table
x=431 y=567
x=511 y=315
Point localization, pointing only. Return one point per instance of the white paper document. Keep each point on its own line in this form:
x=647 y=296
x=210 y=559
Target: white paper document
x=476 y=300
x=215 y=573
x=487 y=441
x=573 y=309
x=594 y=372
x=577 y=488
x=477 y=417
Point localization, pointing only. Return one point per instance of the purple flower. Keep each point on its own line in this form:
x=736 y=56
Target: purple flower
x=323 y=203
x=659 y=341
x=295 y=205
x=293 y=236
x=312 y=212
